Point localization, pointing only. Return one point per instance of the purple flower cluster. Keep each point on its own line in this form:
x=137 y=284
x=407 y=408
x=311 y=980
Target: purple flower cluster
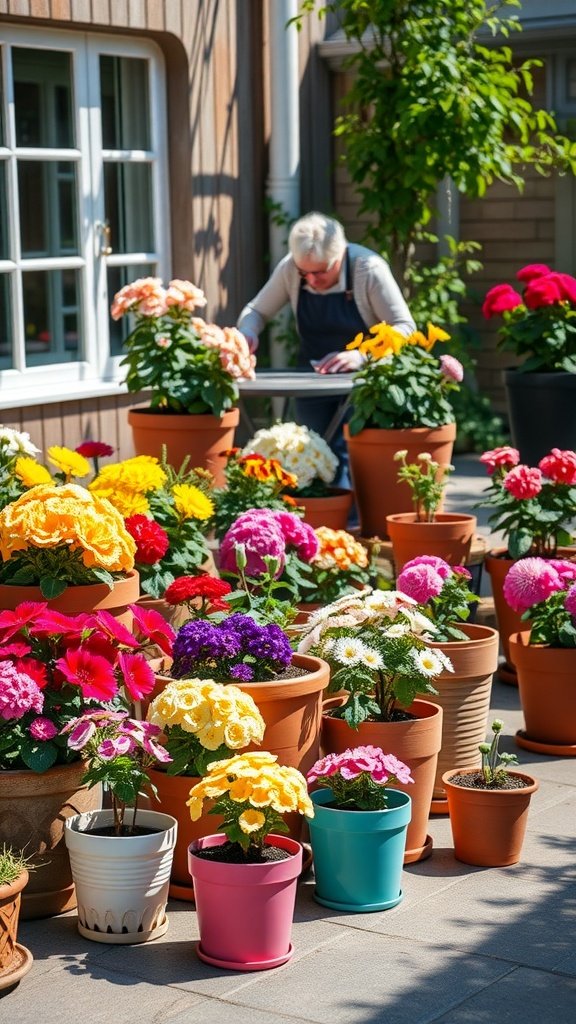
x=236 y=648
x=266 y=532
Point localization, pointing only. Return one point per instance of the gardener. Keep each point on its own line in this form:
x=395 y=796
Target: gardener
x=336 y=289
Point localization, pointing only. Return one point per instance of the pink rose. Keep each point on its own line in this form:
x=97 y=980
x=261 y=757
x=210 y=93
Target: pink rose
x=523 y=482
x=500 y=458
x=499 y=299
x=566 y=286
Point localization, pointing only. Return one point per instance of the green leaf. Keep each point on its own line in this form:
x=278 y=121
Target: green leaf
x=51 y=587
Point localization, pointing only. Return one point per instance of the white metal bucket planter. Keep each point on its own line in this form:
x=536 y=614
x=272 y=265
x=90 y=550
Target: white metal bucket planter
x=121 y=882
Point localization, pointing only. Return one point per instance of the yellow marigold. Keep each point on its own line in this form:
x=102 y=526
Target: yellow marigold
x=339 y=550
x=140 y=475
x=128 y=503
x=191 y=503
x=31 y=472
x=251 y=821
x=68 y=462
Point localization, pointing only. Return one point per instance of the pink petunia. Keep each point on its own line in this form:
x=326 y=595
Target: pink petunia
x=529 y=582
x=81 y=732
x=523 y=482
x=154 y=627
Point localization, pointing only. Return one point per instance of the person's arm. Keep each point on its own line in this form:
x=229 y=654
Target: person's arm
x=269 y=301
x=379 y=296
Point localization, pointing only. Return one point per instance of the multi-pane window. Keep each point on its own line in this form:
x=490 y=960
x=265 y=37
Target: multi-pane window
x=82 y=210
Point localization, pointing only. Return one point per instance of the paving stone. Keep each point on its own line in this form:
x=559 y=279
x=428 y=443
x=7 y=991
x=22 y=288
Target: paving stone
x=526 y=995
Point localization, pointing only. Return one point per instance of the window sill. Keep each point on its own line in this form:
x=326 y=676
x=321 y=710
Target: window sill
x=73 y=391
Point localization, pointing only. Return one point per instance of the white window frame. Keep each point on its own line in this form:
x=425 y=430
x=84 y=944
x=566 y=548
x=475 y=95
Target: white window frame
x=98 y=373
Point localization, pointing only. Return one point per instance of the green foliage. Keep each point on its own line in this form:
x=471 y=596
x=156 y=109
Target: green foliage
x=532 y=526
x=12 y=864
x=231 y=810
x=53 y=569
x=436 y=290
x=427 y=480
x=245 y=489
x=545 y=336
x=551 y=623
x=361 y=793
x=495 y=764
x=265 y=598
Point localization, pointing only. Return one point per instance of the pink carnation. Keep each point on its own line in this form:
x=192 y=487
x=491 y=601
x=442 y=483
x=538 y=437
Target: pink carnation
x=261 y=534
x=299 y=535
x=420 y=582
x=559 y=466
x=565 y=569
x=523 y=482
x=18 y=693
x=500 y=458
x=43 y=729
x=530 y=581
x=570 y=601
x=452 y=368
x=442 y=568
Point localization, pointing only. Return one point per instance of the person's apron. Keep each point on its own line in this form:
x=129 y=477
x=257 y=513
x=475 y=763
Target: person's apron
x=326 y=323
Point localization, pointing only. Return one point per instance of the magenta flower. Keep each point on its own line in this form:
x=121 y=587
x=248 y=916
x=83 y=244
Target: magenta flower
x=420 y=582
x=522 y=482
x=352 y=763
x=559 y=466
x=533 y=270
x=438 y=564
x=138 y=675
x=261 y=536
x=530 y=581
x=19 y=693
x=42 y=729
x=116 y=746
x=452 y=368
x=570 y=601
x=298 y=534
x=565 y=569
x=81 y=732
x=500 y=458
x=91 y=673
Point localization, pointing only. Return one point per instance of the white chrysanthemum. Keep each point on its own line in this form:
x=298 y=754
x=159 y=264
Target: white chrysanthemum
x=329 y=645
x=420 y=623
x=17 y=442
x=349 y=651
x=446 y=662
x=372 y=659
x=299 y=450
x=397 y=629
x=427 y=662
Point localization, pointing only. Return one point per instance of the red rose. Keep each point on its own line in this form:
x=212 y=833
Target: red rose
x=560 y=467
x=542 y=291
x=500 y=298
x=94 y=449
x=523 y=482
x=152 y=541
x=566 y=286
x=533 y=270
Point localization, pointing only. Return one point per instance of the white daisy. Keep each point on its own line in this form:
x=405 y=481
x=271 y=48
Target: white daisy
x=348 y=650
x=372 y=659
x=427 y=663
x=446 y=663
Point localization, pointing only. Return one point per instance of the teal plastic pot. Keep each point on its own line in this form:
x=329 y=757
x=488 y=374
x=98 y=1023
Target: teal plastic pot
x=358 y=855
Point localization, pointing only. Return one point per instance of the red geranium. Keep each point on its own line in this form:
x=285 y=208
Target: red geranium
x=559 y=466
x=500 y=298
x=152 y=541
x=209 y=590
x=523 y=482
x=94 y=449
x=542 y=291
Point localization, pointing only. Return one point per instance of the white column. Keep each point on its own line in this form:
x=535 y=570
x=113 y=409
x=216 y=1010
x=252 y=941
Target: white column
x=284 y=177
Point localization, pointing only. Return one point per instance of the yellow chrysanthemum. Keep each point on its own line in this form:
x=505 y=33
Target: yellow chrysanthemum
x=31 y=472
x=68 y=462
x=140 y=475
x=251 y=821
x=191 y=503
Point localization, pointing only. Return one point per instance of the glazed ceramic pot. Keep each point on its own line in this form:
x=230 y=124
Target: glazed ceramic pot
x=15 y=959
x=34 y=808
x=332 y=510
x=375 y=473
x=416 y=742
x=203 y=438
x=358 y=855
x=449 y=537
x=547 y=688
x=488 y=825
x=121 y=881
x=245 y=911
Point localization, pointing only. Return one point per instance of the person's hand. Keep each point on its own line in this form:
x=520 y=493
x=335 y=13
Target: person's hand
x=340 y=362
x=252 y=341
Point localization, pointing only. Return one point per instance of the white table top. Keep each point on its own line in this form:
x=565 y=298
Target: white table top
x=293 y=383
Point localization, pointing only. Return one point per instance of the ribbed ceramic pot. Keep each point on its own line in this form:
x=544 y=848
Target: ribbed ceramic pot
x=245 y=911
x=359 y=855
x=488 y=825
x=547 y=688
x=34 y=808
x=464 y=696
x=121 y=881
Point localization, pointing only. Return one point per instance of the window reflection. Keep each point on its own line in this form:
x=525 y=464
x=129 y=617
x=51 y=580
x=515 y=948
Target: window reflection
x=6 y=348
x=43 y=98
x=124 y=98
x=48 y=221
x=128 y=204
x=117 y=278
x=52 y=316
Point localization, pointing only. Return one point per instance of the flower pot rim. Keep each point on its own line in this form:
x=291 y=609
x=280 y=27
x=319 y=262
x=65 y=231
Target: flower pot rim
x=397 y=430
x=430 y=710
x=105 y=816
x=320 y=796
x=299 y=686
x=196 y=417
x=9 y=889
x=533 y=783
x=441 y=518
x=486 y=633
x=280 y=870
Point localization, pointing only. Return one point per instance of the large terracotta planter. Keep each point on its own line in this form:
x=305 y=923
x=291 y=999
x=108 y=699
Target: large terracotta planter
x=245 y=911
x=331 y=511
x=448 y=537
x=464 y=696
x=172 y=792
x=488 y=825
x=201 y=437
x=121 y=882
x=90 y=597
x=375 y=473
x=547 y=687
x=15 y=960
x=34 y=809
x=416 y=742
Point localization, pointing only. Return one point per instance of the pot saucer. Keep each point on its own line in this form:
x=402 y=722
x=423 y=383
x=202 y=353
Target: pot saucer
x=538 y=747
x=359 y=908
x=507 y=674
x=419 y=852
x=255 y=965
x=439 y=805
x=22 y=963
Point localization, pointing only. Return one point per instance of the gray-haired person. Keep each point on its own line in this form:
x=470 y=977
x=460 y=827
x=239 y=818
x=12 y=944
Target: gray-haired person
x=336 y=289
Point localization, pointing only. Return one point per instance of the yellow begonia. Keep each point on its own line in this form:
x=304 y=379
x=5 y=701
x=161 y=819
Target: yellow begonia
x=251 y=821
x=47 y=516
x=68 y=462
x=216 y=713
x=191 y=503
x=31 y=472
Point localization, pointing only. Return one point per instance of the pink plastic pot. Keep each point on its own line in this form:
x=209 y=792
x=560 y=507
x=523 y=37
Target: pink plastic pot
x=245 y=911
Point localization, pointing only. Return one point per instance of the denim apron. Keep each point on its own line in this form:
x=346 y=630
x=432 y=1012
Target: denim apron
x=326 y=323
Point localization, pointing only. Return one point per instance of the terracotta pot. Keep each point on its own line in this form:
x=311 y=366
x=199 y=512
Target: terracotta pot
x=34 y=808
x=15 y=960
x=464 y=696
x=509 y=621
x=245 y=911
x=547 y=686
x=449 y=537
x=416 y=742
x=488 y=825
x=172 y=792
x=201 y=437
x=332 y=510
x=85 y=598
x=292 y=711
x=375 y=473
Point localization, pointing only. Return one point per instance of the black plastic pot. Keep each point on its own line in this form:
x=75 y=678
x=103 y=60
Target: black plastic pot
x=542 y=412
